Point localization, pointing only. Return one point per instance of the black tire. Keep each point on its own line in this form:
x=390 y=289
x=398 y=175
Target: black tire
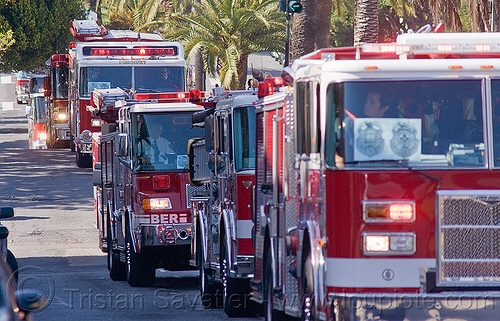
x=211 y=291
x=72 y=144
x=12 y=261
x=83 y=160
x=140 y=271
x=308 y=298
x=117 y=269
x=235 y=292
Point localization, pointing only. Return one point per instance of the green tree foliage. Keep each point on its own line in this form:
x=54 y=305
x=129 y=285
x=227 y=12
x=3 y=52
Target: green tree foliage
x=228 y=31
x=40 y=28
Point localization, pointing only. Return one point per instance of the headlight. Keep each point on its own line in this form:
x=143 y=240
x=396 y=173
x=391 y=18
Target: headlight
x=156 y=203
x=95 y=123
x=86 y=135
x=42 y=136
x=60 y=116
x=389 y=243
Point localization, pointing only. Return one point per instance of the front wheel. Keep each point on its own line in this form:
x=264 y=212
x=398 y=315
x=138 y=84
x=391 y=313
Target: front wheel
x=140 y=271
x=236 y=292
x=209 y=289
x=117 y=269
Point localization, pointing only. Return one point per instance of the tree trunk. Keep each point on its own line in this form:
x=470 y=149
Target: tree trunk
x=199 y=71
x=324 y=18
x=242 y=70
x=366 y=22
x=303 y=31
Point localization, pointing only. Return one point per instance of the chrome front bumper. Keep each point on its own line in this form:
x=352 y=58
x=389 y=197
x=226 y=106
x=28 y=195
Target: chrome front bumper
x=463 y=305
x=165 y=234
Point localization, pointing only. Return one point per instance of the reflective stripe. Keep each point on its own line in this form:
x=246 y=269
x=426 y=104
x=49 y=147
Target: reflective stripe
x=375 y=272
x=244 y=229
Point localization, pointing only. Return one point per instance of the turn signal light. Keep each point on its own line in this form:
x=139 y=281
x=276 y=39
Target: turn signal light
x=388 y=211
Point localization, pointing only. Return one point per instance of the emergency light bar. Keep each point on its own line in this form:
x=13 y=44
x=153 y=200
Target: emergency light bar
x=162 y=96
x=439 y=43
x=133 y=52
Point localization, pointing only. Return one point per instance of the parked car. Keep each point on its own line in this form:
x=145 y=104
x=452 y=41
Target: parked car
x=37 y=122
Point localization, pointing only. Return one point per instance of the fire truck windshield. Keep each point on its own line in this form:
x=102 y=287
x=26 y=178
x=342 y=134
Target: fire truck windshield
x=60 y=82
x=160 y=140
x=244 y=138
x=150 y=79
x=421 y=122
x=38 y=103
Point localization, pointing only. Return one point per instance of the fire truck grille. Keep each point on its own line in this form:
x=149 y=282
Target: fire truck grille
x=192 y=191
x=469 y=238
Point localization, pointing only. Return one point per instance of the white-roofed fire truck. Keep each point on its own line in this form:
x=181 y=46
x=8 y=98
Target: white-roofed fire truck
x=104 y=59
x=377 y=182
x=222 y=165
x=141 y=182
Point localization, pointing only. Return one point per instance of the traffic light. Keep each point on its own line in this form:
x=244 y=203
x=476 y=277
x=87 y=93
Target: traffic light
x=294 y=6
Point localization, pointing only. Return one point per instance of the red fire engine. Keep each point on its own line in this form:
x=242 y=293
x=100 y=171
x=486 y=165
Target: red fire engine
x=377 y=182
x=224 y=162
x=58 y=133
x=143 y=185
x=103 y=59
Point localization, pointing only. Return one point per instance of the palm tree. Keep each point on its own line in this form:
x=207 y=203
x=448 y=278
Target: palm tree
x=311 y=28
x=138 y=15
x=366 y=23
x=228 y=31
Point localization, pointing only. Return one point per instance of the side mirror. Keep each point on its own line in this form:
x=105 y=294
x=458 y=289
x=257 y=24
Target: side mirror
x=96 y=175
x=6 y=212
x=209 y=133
x=123 y=143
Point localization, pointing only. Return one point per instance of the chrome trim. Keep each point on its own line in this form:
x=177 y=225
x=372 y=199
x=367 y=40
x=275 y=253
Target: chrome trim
x=165 y=234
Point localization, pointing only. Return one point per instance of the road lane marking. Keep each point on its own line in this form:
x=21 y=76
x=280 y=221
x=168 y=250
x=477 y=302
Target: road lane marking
x=7 y=106
x=6 y=79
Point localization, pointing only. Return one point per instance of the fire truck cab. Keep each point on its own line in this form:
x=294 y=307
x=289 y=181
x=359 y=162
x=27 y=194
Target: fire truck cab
x=58 y=133
x=377 y=183
x=104 y=59
x=144 y=191
x=37 y=122
x=223 y=165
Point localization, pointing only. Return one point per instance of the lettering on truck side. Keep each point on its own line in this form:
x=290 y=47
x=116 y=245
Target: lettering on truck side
x=162 y=218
